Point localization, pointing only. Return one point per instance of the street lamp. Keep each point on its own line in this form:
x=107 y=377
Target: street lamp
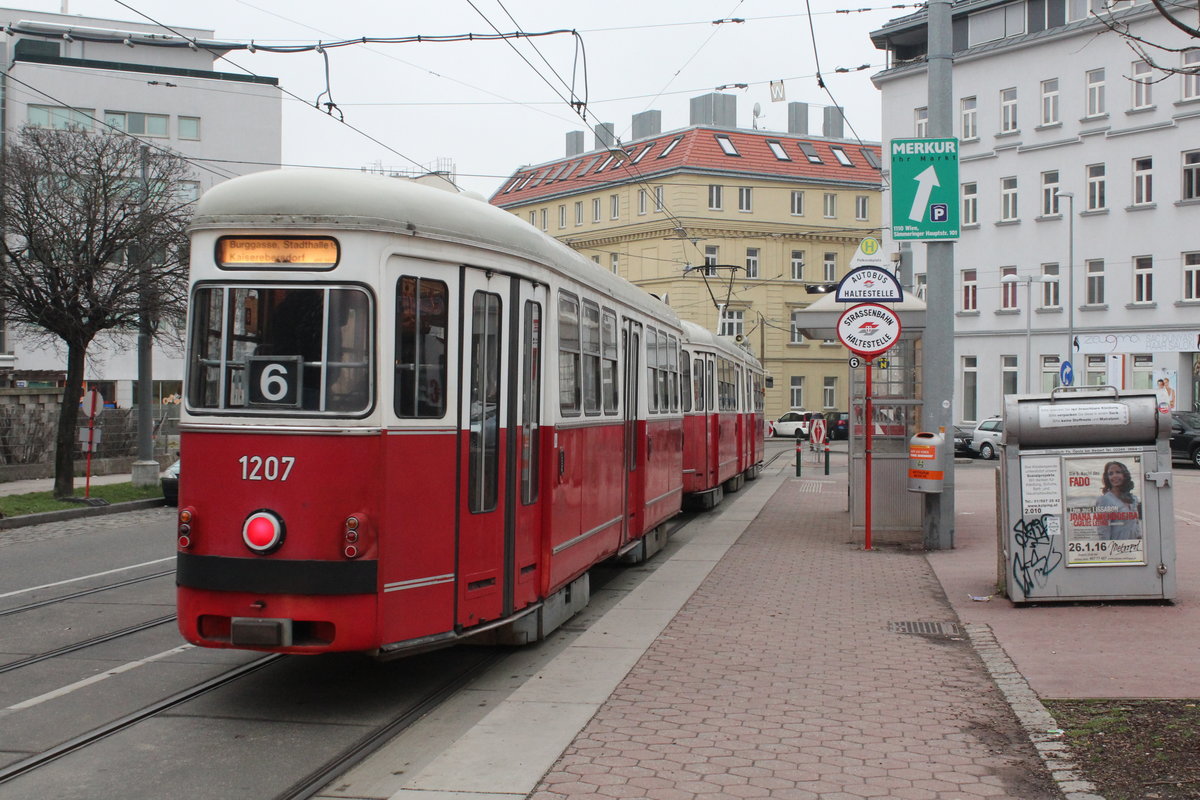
x=1070 y=275
x=1029 y=281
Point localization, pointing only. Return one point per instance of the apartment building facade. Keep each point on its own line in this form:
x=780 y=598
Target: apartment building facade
x=737 y=229
x=1080 y=196
x=110 y=76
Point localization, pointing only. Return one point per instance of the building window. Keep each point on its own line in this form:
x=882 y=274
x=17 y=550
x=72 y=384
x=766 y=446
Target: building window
x=1050 y=372
x=1143 y=181
x=545 y=213
x=1050 y=102
x=970 y=204
x=1095 y=93
x=1008 y=374
x=810 y=152
x=797 y=204
x=60 y=117
x=1143 y=279
x=1008 y=110
x=970 y=118
x=751 y=262
x=614 y=206
x=797 y=392
x=614 y=262
x=595 y=209
x=829 y=392
x=715 y=200
x=1191 y=175
x=970 y=290
x=841 y=156
x=861 y=207
x=732 y=323
x=579 y=213
x=797 y=265
x=1191 y=78
x=970 y=393
x=562 y=216
x=1050 y=284
x=188 y=127
x=921 y=122
x=1095 y=281
x=727 y=145
x=1143 y=84
x=1008 y=289
x=711 y=259
x=830 y=205
x=797 y=336
x=642 y=200
x=1050 y=193
x=1096 y=371
x=533 y=217
x=658 y=198
x=1096 y=200
x=1191 y=276
x=1008 y=199
x=745 y=198
x=189 y=191
x=136 y=123
x=777 y=150
x=830 y=267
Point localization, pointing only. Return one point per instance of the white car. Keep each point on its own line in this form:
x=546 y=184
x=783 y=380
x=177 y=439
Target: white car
x=985 y=439
x=793 y=424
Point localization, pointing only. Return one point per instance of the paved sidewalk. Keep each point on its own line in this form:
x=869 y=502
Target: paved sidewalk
x=791 y=673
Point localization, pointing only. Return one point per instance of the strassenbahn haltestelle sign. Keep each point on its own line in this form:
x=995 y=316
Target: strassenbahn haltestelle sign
x=868 y=329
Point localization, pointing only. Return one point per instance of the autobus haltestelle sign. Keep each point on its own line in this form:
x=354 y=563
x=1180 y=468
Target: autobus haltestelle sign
x=868 y=329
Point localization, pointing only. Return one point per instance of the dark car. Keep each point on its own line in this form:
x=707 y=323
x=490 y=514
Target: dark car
x=170 y=484
x=962 y=441
x=1185 y=436
x=837 y=425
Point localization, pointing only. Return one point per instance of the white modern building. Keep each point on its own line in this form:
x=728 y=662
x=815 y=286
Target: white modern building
x=1080 y=195
x=62 y=70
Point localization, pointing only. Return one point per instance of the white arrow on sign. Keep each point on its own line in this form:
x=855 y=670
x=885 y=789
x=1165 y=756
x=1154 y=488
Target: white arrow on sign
x=925 y=183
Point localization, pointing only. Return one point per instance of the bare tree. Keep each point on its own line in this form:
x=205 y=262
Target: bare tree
x=1156 y=53
x=82 y=233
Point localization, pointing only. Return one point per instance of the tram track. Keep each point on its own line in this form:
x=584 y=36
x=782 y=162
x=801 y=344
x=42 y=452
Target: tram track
x=85 y=592
x=91 y=642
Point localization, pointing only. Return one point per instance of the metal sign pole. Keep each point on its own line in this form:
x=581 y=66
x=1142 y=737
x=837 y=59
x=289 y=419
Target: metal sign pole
x=868 y=424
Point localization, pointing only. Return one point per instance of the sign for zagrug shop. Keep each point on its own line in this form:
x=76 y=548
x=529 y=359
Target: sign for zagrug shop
x=868 y=329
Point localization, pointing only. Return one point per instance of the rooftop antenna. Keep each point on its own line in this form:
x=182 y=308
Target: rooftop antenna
x=757 y=114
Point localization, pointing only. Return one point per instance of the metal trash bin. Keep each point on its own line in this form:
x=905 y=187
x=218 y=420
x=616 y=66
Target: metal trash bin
x=1086 y=511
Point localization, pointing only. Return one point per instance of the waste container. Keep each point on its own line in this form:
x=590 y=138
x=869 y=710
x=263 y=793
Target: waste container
x=1085 y=484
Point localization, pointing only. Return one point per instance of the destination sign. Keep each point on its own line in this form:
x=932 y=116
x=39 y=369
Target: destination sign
x=247 y=252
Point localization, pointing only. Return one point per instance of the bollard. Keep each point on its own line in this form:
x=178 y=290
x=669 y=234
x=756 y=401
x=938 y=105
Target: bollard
x=799 y=455
x=826 y=458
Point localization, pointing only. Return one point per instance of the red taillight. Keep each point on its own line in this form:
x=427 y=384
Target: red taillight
x=351 y=548
x=185 y=528
x=263 y=532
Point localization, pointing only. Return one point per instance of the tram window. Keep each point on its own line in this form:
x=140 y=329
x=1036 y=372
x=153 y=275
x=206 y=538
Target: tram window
x=422 y=320
x=698 y=384
x=484 y=459
x=591 y=357
x=652 y=368
x=608 y=361
x=531 y=401
x=664 y=379
x=281 y=348
x=685 y=380
x=673 y=371
x=568 y=354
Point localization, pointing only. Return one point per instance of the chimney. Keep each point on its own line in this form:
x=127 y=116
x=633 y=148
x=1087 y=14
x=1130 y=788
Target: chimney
x=574 y=143
x=835 y=123
x=604 y=136
x=714 y=109
x=647 y=123
x=798 y=118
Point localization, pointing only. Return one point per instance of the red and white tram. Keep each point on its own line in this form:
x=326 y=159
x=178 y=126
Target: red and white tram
x=411 y=417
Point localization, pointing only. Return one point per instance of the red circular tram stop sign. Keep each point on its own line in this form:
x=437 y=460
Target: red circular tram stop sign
x=868 y=329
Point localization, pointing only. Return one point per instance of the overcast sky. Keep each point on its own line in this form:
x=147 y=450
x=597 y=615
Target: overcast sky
x=480 y=105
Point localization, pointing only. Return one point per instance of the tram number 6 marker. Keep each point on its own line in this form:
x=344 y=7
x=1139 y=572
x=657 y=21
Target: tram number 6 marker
x=275 y=380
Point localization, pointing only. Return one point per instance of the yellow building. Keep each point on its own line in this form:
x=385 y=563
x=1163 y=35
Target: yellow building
x=736 y=229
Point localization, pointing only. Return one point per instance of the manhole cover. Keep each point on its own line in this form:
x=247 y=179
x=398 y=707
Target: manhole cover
x=944 y=629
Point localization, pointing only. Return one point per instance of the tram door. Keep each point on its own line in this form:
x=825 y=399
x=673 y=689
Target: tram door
x=499 y=518
x=635 y=481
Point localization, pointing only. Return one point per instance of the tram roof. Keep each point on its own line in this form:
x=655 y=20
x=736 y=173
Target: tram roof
x=361 y=201
x=695 y=334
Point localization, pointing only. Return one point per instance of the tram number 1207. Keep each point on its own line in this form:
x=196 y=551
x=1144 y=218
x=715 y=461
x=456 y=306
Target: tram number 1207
x=257 y=468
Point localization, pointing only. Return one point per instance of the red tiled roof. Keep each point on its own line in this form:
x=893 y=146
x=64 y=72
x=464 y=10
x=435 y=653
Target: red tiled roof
x=697 y=150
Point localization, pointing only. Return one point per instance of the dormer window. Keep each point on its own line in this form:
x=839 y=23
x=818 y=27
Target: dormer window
x=666 y=152
x=777 y=148
x=810 y=153
x=727 y=145
x=841 y=156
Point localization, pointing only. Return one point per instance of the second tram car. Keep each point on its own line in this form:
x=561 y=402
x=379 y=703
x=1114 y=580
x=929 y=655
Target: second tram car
x=410 y=417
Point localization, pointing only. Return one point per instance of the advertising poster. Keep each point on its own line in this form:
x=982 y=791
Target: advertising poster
x=1104 y=523
x=1165 y=381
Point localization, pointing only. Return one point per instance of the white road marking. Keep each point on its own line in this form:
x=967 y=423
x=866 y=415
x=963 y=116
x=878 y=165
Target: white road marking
x=86 y=577
x=65 y=690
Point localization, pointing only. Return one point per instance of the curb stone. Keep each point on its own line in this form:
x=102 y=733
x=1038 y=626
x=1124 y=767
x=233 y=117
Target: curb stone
x=8 y=523
x=1037 y=721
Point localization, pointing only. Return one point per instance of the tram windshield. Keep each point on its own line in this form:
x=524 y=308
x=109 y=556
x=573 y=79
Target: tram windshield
x=276 y=349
